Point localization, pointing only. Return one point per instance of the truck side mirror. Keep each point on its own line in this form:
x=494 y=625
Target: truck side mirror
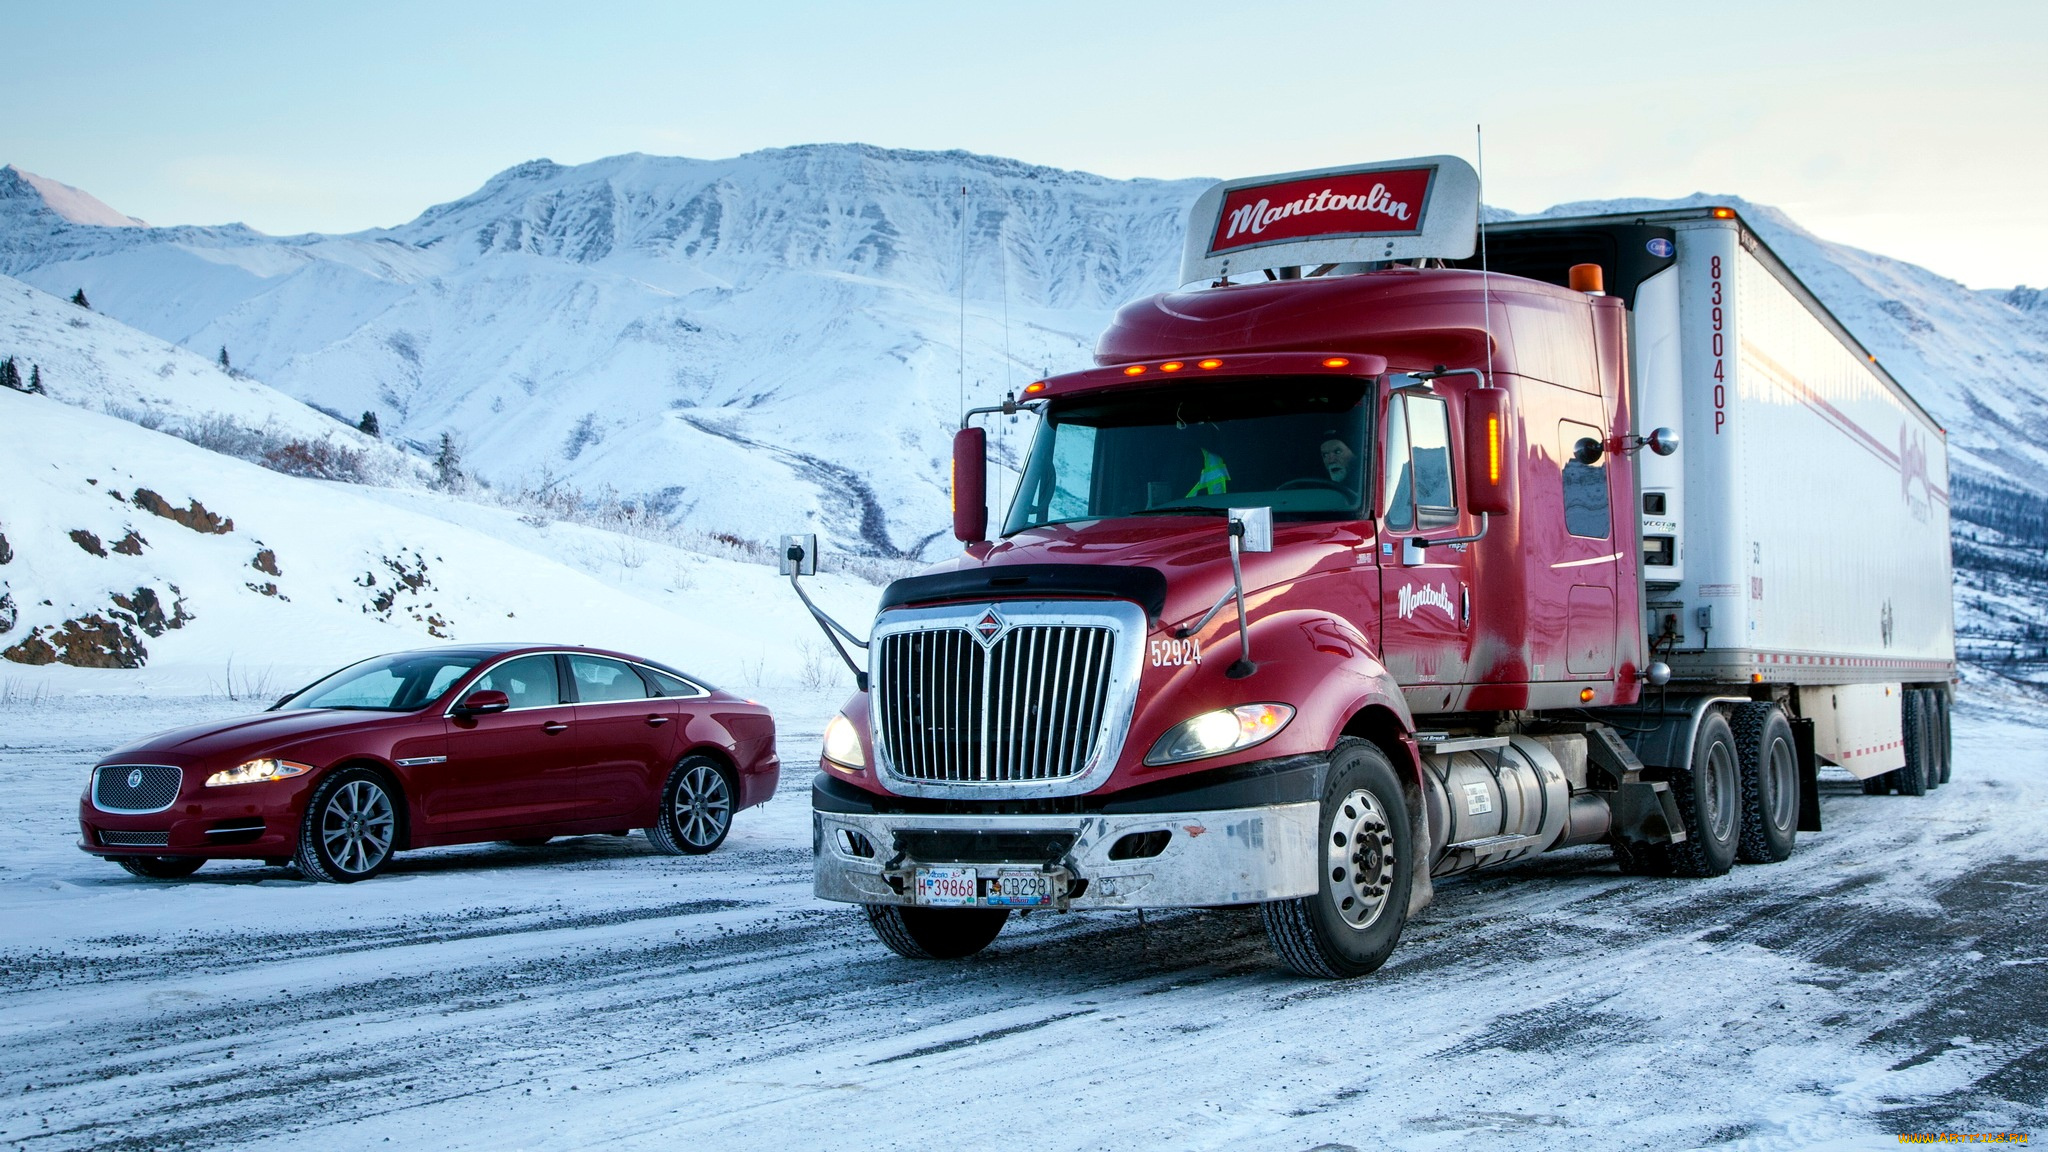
x=970 y=485
x=1256 y=529
x=1488 y=462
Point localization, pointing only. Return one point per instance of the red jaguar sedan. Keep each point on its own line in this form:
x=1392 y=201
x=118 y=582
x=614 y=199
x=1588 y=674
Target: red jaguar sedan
x=443 y=746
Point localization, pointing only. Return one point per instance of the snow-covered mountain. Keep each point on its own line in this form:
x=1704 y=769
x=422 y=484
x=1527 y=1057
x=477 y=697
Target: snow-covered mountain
x=672 y=329
x=749 y=344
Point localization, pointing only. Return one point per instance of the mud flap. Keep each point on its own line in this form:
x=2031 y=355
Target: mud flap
x=1645 y=811
x=1809 y=774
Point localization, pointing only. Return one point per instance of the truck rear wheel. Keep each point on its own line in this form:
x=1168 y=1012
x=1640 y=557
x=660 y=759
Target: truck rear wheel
x=1350 y=925
x=1944 y=740
x=1770 y=783
x=1709 y=795
x=935 y=933
x=1912 y=779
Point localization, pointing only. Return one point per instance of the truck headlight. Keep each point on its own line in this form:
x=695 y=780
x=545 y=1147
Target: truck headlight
x=257 y=771
x=842 y=744
x=1224 y=730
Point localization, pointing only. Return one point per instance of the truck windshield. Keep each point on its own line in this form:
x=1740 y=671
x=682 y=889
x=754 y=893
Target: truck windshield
x=1296 y=446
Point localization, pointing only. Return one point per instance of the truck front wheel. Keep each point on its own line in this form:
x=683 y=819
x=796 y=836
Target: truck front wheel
x=935 y=933
x=1350 y=925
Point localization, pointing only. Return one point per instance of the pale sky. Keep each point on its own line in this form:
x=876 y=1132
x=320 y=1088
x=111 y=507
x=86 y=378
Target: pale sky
x=1919 y=130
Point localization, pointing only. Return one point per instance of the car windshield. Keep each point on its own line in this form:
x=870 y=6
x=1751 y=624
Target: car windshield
x=1296 y=446
x=400 y=683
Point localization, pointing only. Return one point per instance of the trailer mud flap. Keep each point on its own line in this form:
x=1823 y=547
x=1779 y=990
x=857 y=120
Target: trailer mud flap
x=1645 y=811
x=1809 y=775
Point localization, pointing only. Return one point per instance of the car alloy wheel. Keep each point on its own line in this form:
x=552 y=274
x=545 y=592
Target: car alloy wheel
x=696 y=808
x=351 y=828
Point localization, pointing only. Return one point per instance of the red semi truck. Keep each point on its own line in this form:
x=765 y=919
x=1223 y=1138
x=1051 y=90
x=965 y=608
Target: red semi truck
x=1369 y=559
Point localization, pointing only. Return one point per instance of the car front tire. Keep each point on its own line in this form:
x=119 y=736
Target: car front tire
x=350 y=830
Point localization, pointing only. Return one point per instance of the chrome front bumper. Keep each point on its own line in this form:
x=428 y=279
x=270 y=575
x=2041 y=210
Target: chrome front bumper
x=1232 y=856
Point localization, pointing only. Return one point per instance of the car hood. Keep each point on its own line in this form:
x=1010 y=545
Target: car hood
x=253 y=735
x=1192 y=552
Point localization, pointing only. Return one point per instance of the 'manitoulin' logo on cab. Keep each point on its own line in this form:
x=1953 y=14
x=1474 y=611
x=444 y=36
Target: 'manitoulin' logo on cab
x=1413 y=598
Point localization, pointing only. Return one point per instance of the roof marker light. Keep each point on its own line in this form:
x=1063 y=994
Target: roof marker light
x=1337 y=362
x=1172 y=366
x=1135 y=370
x=1034 y=388
x=1210 y=364
x=1724 y=213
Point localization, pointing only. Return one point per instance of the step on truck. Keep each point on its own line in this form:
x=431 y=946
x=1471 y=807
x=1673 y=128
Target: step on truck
x=1389 y=549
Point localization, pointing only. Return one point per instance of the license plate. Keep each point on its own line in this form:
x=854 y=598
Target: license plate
x=1017 y=890
x=968 y=887
x=943 y=887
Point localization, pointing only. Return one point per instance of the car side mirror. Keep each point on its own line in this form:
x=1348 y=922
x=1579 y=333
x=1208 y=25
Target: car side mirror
x=1488 y=464
x=483 y=703
x=970 y=485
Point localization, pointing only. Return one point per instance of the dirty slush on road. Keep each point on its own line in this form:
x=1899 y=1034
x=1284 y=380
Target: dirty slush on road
x=1890 y=978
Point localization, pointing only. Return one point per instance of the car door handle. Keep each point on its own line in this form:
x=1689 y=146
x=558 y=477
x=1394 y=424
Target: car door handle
x=656 y=721
x=554 y=726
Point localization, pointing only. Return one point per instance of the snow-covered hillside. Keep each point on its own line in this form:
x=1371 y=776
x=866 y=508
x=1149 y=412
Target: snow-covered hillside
x=671 y=328
x=129 y=548
x=749 y=345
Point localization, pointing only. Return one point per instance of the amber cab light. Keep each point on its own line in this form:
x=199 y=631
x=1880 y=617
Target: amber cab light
x=1337 y=362
x=1585 y=694
x=1210 y=364
x=1724 y=213
x=1034 y=388
x=1172 y=366
x=1135 y=370
x=1492 y=448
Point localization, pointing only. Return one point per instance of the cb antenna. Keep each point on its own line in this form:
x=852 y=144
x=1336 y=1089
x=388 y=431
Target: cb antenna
x=1485 y=280
x=963 y=301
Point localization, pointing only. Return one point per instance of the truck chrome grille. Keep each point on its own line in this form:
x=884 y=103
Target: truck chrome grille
x=1028 y=707
x=132 y=789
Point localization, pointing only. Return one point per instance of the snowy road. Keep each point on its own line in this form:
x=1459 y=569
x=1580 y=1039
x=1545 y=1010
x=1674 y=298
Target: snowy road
x=1892 y=977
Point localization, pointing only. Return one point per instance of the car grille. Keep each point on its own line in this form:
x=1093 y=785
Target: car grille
x=135 y=788
x=135 y=839
x=1028 y=708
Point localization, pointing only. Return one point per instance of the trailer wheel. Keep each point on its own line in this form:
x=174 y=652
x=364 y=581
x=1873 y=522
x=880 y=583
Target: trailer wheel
x=1709 y=795
x=1912 y=779
x=1944 y=741
x=1770 y=783
x=935 y=933
x=1351 y=923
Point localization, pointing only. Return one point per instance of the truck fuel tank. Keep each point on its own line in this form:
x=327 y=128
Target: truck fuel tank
x=1492 y=799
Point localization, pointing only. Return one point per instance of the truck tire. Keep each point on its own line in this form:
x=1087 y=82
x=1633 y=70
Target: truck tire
x=1709 y=795
x=1944 y=741
x=1770 y=783
x=1912 y=779
x=1352 y=922
x=935 y=933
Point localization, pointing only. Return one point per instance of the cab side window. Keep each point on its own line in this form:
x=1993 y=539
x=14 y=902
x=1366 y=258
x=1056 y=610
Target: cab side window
x=529 y=681
x=1584 y=476
x=600 y=681
x=1417 y=477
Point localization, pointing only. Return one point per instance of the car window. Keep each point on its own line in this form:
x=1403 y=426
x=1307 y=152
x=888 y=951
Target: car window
x=529 y=681
x=599 y=680
x=1586 y=509
x=396 y=683
x=663 y=684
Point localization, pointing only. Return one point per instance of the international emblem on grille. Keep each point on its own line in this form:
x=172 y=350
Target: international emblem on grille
x=990 y=628
x=135 y=777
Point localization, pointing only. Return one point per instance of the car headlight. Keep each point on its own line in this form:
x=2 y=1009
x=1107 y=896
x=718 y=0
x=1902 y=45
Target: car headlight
x=1224 y=730
x=842 y=744
x=257 y=771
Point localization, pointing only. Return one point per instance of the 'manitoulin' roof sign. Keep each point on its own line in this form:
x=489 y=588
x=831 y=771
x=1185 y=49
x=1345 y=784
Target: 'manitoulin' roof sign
x=1399 y=210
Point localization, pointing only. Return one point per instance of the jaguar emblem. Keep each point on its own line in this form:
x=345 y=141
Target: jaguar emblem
x=135 y=777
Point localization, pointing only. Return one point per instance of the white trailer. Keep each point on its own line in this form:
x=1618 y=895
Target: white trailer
x=1798 y=547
